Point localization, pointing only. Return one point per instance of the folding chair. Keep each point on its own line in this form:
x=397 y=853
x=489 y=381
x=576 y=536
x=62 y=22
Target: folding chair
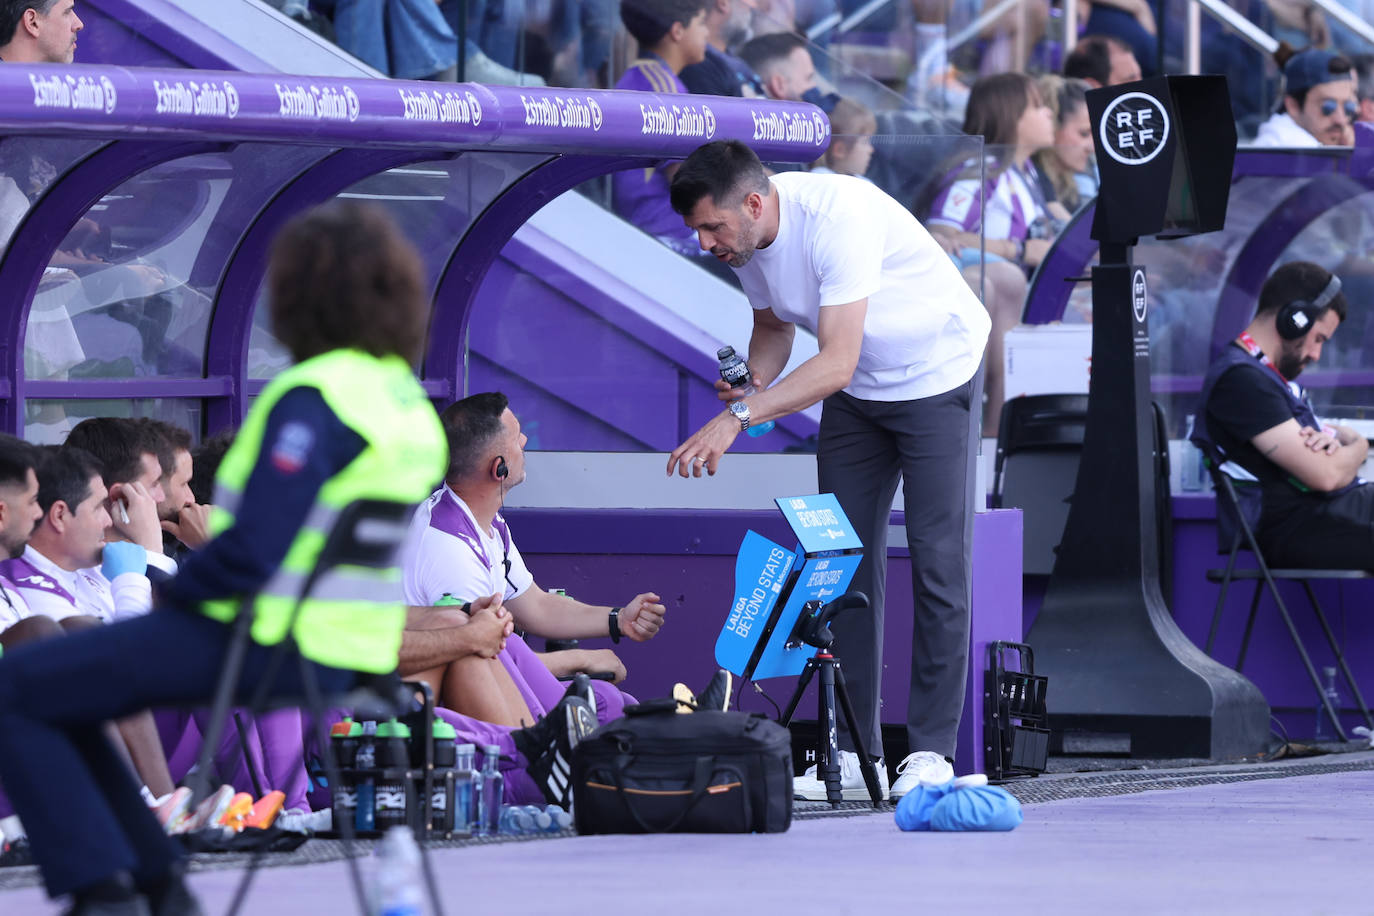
x=1233 y=519
x=367 y=533
x=1039 y=441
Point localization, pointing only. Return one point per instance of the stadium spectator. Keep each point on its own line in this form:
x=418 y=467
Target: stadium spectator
x=722 y=73
x=1100 y=60
x=852 y=126
x=1068 y=169
x=1130 y=23
x=405 y=39
x=1318 y=105
x=38 y=31
x=782 y=61
x=992 y=214
x=671 y=36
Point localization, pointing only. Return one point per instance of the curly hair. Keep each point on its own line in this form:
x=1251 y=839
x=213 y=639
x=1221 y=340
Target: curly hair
x=342 y=276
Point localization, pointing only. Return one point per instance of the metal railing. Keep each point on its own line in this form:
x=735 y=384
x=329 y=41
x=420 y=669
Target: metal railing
x=1348 y=19
x=1250 y=33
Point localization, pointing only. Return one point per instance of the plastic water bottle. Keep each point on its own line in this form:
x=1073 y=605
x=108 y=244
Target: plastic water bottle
x=396 y=887
x=516 y=820
x=1325 y=729
x=364 y=818
x=467 y=784
x=736 y=373
x=493 y=783
x=558 y=818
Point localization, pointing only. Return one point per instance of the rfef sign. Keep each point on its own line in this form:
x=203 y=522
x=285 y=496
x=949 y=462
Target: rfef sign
x=1165 y=148
x=1134 y=128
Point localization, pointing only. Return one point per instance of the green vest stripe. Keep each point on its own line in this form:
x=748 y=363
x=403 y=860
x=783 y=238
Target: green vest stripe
x=355 y=616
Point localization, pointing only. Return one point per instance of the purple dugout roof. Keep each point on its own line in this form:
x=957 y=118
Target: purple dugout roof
x=291 y=142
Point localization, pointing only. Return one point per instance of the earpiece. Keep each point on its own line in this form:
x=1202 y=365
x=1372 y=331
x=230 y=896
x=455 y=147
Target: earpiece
x=1297 y=317
x=502 y=471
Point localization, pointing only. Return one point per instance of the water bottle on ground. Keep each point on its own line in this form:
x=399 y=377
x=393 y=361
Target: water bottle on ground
x=445 y=758
x=467 y=783
x=396 y=882
x=366 y=794
x=558 y=818
x=515 y=820
x=392 y=791
x=736 y=373
x=1326 y=730
x=493 y=783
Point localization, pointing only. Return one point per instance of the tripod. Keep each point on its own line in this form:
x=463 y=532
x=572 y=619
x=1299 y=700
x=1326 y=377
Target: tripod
x=813 y=629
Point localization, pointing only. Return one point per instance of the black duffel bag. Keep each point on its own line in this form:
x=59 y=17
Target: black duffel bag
x=655 y=771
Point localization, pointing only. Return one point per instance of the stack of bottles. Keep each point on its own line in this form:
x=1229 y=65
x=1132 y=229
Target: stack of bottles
x=382 y=768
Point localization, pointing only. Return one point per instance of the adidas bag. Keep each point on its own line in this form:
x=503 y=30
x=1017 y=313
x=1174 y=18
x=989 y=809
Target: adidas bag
x=655 y=771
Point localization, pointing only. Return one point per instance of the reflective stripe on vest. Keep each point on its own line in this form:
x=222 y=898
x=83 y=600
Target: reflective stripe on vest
x=353 y=617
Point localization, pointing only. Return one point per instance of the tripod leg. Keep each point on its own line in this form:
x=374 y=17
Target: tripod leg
x=807 y=673
x=869 y=769
x=828 y=766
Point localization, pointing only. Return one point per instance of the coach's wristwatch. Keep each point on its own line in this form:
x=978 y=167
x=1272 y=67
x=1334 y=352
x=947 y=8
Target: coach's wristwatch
x=741 y=412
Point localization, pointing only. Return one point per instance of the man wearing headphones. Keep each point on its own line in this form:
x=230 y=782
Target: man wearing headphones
x=461 y=550
x=1300 y=473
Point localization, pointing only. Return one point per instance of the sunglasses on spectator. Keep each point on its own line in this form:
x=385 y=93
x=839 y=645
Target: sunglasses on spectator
x=1329 y=108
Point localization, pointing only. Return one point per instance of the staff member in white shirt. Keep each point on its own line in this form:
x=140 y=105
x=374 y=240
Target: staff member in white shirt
x=899 y=369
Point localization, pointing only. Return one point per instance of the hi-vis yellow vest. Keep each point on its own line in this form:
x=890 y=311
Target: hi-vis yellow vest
x=355 y=617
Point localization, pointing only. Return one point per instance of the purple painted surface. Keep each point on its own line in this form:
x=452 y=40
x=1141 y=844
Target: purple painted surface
x=688 y=558
x=1292 y=845
x=156 y=33
x=589 y=342
x=397 y=113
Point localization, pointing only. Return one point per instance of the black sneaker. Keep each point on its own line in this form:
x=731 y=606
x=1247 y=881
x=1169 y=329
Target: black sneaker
x=548 y=745
x=581 y=687
x=16 y=852
x=716 y=695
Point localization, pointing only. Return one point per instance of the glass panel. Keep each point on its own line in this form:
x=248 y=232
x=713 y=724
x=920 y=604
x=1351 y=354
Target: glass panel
x=28 y=165
x=48 y=420
x=1203 y=289
x=582 y=301
x=433 y=202
x=129 y=291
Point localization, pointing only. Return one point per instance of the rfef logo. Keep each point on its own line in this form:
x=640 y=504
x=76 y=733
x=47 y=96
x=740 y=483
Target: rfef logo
x=1134 y=128
x=1138 y=295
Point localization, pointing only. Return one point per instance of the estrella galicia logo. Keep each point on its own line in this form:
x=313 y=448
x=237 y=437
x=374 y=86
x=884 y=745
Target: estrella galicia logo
x=1138 y=295
x=1134 y=128
x=110 y=95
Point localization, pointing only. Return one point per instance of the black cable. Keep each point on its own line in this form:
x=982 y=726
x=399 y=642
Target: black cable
x=759 y=690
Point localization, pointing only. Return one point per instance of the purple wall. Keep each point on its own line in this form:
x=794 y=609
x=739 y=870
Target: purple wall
x=688 y=557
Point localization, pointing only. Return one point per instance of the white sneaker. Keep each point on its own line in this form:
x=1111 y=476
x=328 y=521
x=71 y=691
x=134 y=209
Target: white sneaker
x=852 y=786
x=306 y=821
x=922 y=767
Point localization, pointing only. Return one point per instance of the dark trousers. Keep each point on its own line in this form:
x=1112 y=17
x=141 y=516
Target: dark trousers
x=75 y=795
x=930 y=444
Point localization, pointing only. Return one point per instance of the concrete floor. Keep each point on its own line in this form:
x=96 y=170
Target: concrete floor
x=1298 y=845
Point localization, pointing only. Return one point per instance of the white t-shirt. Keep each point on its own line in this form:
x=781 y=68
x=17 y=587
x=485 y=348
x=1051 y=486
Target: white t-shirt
x=1282 y=131
x=446 y=553
x=841 y=239
x=55 y=592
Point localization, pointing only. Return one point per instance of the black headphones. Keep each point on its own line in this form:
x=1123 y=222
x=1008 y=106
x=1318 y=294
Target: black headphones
x=501 y=470
x=1297 y=317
